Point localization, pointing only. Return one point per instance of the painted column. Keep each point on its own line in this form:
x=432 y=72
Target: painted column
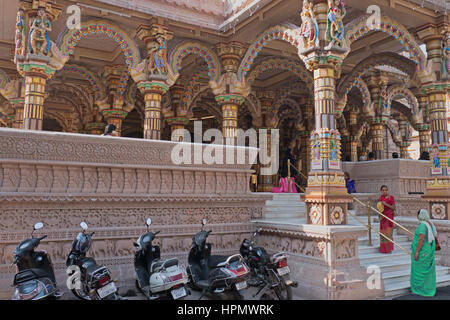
x=115 y=117
x=406 y=138
x=230 y=105
x=326 y=196
x=155 y=85
x=424 y=140
x=438 y=186
x=177 y=123
x=153 y=92
x=33 y=57
x=18 y=105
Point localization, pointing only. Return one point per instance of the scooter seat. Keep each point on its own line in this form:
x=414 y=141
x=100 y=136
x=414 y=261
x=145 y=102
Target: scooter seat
x=216 y=261
x=160 y=264
x=90 y=266
x=30 y=274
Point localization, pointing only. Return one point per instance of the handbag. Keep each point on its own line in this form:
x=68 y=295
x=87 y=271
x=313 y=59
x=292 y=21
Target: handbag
x=437 y=245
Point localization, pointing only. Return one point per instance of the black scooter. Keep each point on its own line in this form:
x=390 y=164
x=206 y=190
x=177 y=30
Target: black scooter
x=36 y=278
x=92 y=281
x=156 y=278
x=221 y=276
x=268 y=273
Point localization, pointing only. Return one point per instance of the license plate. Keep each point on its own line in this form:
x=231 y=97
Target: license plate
x=106 y=290
x=178 y=293
x=241 y=285
x=283 y=271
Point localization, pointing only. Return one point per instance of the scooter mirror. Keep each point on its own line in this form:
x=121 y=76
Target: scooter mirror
x=149 y=222
x=84 y=225
x=203 y=222
x=38 y=226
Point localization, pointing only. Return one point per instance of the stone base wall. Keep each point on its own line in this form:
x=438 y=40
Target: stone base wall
x=114 y=184
x=323 y=259
x=118 y=224
x=407 y=206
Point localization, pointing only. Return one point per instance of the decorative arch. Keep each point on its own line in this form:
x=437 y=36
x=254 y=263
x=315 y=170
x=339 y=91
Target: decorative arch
x=395 y=132
x=361 y=85
x=284 y=64
x=359 y=28
x=392 y=59
x=399 y=90
x=68 y=39
x=274 y=33
x=186 y=48
x=191 y=89
x=93 y=80
x=4 y=78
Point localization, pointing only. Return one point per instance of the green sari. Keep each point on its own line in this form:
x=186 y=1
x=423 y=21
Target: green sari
x=423 y=271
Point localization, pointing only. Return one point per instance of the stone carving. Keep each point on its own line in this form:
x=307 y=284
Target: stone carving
x=335 y=25
x=446 y=57
x=309 y=28
x=20 y=33
x=315 y=214
x=337 y=215
x=39 y=41
x=438 y=211
x=345 y=249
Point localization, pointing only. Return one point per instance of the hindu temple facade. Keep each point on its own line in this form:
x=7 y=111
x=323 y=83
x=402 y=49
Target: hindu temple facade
x=339 y=81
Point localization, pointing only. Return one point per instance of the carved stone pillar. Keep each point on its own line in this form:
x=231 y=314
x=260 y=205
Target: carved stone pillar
x=376 y=128
x=115 y=117
x=177 y=123
x=34 y=59
x=326 y=196
x=153 y=92
x=230 y=104
x=18 y=105
x=438 y=186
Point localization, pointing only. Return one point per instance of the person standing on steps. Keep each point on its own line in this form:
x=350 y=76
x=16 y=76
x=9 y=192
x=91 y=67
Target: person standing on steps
x=423 y=265
x=387 y=205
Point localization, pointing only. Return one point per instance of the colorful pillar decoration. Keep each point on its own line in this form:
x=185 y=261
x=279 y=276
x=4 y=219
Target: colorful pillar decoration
x=32 y=55
x=153 y=92
x=230 y=104
x=376 y=128
x=115 y=117
x=326 y=197
x=438 y=186
x=177 y=123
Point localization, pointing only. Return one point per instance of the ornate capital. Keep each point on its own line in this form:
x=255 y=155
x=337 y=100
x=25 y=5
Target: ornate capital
x=230 y=99
x=153 y=87
x=230 y=54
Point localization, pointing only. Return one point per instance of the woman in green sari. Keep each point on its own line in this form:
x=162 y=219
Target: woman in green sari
x=423 y=267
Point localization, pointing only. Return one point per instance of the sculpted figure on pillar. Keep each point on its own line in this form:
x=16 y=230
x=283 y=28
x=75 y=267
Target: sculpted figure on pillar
x=335 y=25
x=39 y=40
x=20 y=33
x=309 y=28
x=446 y=57
x=157 y=62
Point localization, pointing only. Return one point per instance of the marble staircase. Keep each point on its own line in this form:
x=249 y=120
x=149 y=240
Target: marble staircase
x=395 y=267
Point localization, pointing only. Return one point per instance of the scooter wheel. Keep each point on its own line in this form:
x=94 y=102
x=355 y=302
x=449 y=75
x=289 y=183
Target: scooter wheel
x=81 y=295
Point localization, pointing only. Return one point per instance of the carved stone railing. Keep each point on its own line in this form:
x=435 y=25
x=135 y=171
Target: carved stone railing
x=114 y=184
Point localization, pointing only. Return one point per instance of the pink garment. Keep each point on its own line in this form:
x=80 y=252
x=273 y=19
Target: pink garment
x=284 y=186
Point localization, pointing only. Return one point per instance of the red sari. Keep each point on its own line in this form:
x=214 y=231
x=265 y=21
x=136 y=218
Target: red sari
x=386 y=226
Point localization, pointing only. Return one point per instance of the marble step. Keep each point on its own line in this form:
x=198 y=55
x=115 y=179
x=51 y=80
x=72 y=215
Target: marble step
x=284 y=215
x=282 y=203
x=403 y=287
x=376 y=240
x=363 y=249
x=286 y=196
x=378 y=258
x=404 y=275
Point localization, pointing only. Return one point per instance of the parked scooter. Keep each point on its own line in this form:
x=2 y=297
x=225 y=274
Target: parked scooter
x=156 y=278
x=95 y=281
x=35 y=279
x=223 y=276
x=268 y=273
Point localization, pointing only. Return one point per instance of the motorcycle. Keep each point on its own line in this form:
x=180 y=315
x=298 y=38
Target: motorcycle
x=221 y=276
x=268 y=273
x=93 y=282
x=35 y=279
x=156 y=278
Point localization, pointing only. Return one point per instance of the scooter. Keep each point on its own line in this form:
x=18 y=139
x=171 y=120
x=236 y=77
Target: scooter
x=35 y=279
x=268 y=273
x=92 y=281
x=156 y=278
x=221 y=276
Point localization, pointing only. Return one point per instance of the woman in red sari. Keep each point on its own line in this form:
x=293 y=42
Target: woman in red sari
x=386 y=226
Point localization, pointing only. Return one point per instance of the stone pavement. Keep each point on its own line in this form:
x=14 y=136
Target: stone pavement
x=442 y=293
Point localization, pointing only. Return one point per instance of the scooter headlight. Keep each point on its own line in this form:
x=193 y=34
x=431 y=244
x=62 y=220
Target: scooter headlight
x=29 y=290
